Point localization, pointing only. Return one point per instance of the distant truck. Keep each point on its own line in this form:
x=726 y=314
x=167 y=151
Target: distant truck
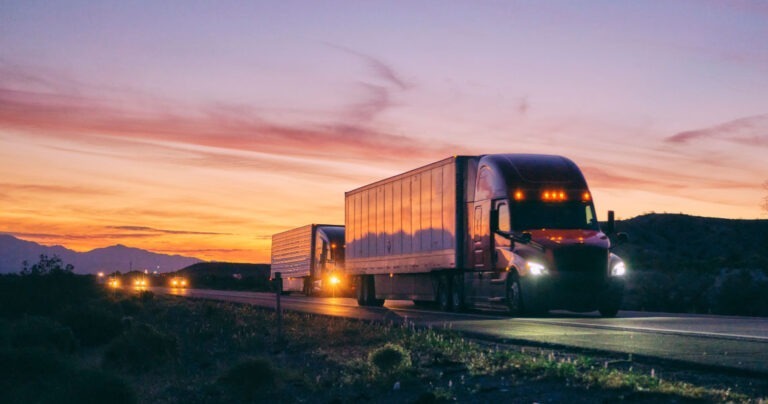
x=511 y=231
x=310 y=259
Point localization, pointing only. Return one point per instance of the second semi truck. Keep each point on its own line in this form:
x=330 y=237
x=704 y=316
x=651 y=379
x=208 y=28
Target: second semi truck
x=512 y=231
x=310 y=259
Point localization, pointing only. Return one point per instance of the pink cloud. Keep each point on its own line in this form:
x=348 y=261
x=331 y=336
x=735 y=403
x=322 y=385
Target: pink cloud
x=92 y=120
x=750 y=131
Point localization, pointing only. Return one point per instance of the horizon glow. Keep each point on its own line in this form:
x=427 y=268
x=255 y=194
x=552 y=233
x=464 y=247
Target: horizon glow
x=203 y=129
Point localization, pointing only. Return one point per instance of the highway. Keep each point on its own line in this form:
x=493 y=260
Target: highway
x=724 y=342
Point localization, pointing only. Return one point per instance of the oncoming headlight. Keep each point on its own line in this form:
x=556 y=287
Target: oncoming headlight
x=536 y=269
x=619 y=269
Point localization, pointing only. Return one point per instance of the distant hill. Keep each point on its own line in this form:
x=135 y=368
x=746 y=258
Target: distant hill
x=673 y=242
x=14 y=251
x=226 y=269
x=227 y=275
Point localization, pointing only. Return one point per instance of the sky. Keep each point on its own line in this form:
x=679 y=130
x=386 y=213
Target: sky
x=202 y=128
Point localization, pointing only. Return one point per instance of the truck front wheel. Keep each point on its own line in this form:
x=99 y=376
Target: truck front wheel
x=611 y=299
x=514 y=296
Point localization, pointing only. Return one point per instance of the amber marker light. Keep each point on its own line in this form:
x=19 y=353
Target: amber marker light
x=586 y=196
x=519 y=196
x=554 y=196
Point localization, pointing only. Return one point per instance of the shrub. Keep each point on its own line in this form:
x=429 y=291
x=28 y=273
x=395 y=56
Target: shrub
x=251 y=378
x=140 y=348
x=92 y=325
x=740 y=292
x=130 y=307
x=43 y=294
x=38 y=376
x=390 y=359
x=28 y=365
x=44 y=333
x=91 y=386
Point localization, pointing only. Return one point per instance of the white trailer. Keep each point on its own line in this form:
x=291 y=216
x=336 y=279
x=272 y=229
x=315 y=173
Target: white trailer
x=310 y=259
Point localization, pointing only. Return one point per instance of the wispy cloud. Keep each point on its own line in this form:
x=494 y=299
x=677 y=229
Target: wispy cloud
x=381 y=69
x=105 y=122
x=50 y=189
x=749 y=131
x=144 y=229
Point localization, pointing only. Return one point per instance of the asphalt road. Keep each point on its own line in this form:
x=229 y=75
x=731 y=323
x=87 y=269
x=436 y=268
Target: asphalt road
x=728 y=343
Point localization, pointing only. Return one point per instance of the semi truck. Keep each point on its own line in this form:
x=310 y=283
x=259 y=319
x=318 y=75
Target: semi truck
x=502 y=231
x=310 y=260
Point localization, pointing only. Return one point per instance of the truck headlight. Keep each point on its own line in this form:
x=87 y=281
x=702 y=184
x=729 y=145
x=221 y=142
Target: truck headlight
x=536 y=269
x=618 y=269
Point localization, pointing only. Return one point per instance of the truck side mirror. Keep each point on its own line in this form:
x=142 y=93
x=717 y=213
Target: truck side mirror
x=524 y=238
x=622 y=238
x=610 y=227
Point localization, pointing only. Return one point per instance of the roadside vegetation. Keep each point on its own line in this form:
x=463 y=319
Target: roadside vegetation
x=133 y=346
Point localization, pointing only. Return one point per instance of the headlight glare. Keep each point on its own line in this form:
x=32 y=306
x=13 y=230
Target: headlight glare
x=619 y=269
x=536 y=269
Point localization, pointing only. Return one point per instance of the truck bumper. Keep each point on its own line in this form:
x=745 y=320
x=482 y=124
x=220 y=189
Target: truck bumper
x=574 y=293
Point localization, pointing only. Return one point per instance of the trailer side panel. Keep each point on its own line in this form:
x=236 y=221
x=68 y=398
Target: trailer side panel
x=407 y=223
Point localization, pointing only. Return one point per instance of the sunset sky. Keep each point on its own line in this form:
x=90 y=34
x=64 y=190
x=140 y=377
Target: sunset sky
x=202 y=128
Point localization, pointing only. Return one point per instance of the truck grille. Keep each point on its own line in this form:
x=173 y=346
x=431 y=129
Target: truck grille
x=581 y=259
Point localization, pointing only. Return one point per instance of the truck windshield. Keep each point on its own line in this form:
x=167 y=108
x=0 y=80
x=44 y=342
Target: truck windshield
x=563 y=215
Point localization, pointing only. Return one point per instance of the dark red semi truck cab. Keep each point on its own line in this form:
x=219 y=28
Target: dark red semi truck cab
x=546 y=242
x=513 y=231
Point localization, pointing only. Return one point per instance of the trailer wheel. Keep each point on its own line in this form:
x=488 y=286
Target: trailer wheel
x=360 y=291
x=444 y=293
x=514 y=296
x=457 y=293
x=366 y=292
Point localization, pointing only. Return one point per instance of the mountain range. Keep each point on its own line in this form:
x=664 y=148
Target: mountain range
x=14 y=251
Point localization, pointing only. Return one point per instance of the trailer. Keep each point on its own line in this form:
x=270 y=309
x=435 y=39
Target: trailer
x=512 y=231
x=310 y=260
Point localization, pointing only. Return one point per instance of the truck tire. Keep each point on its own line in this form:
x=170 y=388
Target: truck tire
x=610 y=306
x=307 y=287
x=514 y=296
x=611 y=299
x=444 y=293
x=457 y=293
x=360 y=292
x=366 y=292
x=609 y=311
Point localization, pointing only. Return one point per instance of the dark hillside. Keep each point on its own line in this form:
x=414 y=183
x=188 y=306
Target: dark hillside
x=667 y=241
x=681 y=263
x=228 y=275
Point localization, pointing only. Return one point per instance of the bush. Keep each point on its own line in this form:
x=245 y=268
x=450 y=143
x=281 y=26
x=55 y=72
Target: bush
x=90 y=386
x=140 y=348
x=29 y=365
x=741 y=292
x=44 y=333
x=38 y=376
x=252 y=378
x=390 y=359
x=92 y=325
x=44 y=293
